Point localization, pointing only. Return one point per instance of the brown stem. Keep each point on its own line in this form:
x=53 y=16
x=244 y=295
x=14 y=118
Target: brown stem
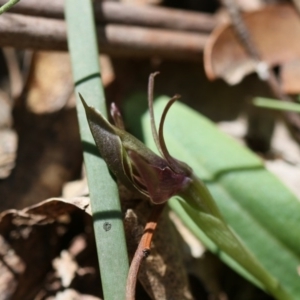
x=116 y=12
x=50 y=34
x=142 y=251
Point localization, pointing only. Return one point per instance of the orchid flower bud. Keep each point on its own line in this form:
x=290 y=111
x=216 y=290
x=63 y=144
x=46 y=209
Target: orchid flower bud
x=136 y=166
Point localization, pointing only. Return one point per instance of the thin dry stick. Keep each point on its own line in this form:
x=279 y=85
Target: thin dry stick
x=266 y=74
x=21 y=31
x=142 y=251
x=116 y=12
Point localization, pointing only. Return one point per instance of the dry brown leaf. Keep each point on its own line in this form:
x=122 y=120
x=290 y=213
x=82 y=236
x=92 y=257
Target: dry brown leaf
x=49 y=249
x=56 y=232
x=273 y=29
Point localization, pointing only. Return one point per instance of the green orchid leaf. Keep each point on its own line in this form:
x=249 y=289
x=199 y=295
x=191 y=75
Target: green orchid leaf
x=263 y=213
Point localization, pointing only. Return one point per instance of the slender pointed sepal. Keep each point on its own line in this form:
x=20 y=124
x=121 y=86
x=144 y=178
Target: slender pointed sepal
x=108 y=143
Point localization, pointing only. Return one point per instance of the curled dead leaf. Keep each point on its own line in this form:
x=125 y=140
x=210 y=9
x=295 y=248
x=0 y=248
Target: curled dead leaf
x=48 y=248
x=273 y=30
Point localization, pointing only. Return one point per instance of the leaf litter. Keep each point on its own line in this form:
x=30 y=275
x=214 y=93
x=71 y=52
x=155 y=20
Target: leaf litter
x=66 y=261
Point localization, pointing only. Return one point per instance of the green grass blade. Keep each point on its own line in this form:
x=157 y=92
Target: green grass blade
x=260 y=209
x=108 y=226
x=7 y=6
x=276 y=104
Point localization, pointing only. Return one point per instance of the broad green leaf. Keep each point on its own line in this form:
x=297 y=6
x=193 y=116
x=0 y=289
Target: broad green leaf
x=260 y=209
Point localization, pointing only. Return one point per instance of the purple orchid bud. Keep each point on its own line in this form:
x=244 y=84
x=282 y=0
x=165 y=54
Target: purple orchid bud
x=135 y=165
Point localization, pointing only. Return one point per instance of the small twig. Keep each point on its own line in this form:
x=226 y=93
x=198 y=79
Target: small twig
x=263 y=71
x=25 y=32
x=143 y=250
x=116 y=12
x=5 y=7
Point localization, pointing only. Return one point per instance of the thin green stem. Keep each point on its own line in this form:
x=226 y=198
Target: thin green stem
x=107 y=215
x=5 y=7
x=276 y=104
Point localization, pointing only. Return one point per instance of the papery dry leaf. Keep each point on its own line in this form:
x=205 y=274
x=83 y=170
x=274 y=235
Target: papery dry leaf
x=56 y=207
x=274 y=31
x=33 y=239
x=37 y=237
